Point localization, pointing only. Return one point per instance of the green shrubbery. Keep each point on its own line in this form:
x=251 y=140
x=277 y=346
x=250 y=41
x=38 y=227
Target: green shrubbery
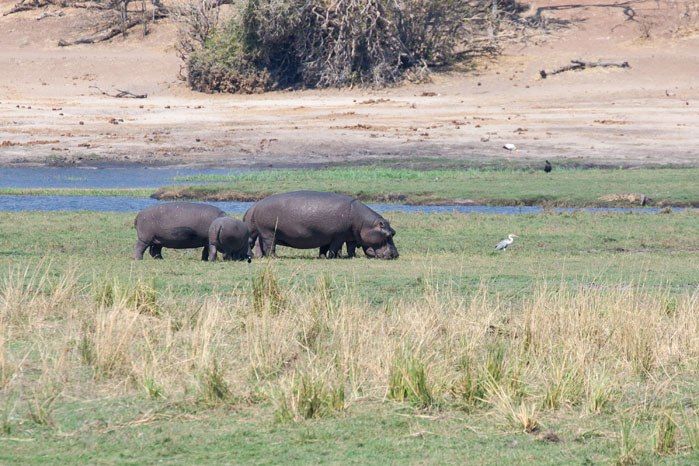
x=271 y=44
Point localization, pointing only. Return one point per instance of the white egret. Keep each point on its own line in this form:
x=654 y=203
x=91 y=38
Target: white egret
x=502 y=245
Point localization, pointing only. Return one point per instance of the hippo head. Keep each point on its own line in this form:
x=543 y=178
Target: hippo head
x=243 y=254
x=377 y=240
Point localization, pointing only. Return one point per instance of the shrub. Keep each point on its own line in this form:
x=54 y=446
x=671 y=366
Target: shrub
x=272 y=44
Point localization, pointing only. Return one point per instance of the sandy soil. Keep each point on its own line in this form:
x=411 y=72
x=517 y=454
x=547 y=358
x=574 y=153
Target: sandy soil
x=648 y=114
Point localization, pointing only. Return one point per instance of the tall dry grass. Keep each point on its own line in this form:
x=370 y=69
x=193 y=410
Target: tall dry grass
x=316 y=351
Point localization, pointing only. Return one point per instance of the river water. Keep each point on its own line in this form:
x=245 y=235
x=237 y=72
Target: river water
x=105 y=178
x=99 y=178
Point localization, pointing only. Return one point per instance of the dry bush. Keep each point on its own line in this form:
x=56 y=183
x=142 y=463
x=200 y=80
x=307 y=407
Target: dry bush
x=322 y=348
x=272 y=44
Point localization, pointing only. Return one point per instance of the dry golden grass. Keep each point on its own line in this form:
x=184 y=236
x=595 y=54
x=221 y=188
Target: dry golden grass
x=313 y=352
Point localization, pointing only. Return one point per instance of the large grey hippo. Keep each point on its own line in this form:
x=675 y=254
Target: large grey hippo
x=230 y=237
x=176 y=225
x=310 y=219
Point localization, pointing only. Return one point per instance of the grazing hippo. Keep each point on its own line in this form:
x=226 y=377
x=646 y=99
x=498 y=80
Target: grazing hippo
x=230 y=237
x=176 y=225
x=310 y=219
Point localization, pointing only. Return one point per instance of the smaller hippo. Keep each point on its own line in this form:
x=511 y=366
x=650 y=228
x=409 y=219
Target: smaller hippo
x=176 y=225
x=230 y=237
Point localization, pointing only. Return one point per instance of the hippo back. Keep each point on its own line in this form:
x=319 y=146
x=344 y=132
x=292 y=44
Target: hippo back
x=177 y=224
x=302 y=219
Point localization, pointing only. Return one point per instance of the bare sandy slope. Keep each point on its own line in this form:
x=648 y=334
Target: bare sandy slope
x=646 y=114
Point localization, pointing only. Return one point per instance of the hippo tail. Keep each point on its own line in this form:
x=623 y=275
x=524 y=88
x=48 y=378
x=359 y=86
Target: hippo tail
x=218 y=235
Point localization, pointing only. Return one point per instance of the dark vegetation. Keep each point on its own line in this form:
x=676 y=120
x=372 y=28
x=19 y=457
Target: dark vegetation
x=269 y=44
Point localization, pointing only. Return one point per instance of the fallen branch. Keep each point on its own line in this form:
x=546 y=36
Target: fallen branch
x=107 y=34
x=22 y=7
x=581 y=65
x=90 y=5
x=121 y=94
x=47 y=14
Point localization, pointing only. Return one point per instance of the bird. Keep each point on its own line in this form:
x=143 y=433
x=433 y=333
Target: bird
x=547 y=167
x=502 y=245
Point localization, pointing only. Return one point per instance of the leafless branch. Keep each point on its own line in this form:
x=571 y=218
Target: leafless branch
x=121 y=94
x=581 y=65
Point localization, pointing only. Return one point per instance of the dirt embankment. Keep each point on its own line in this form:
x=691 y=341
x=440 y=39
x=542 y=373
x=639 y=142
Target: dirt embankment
x=50 y=113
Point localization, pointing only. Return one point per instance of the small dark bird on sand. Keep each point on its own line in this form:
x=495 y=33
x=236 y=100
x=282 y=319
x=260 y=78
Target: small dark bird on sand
x=547 y=167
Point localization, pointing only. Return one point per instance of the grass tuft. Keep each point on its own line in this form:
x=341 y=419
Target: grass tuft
x=665 y=441
x=408 y=382
x=309 y=396
x=214 y=388
x=627 y=445
x=268 y=296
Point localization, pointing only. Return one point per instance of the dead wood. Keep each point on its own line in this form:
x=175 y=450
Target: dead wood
x=121 y=94
x=47 y=14
x=107 y=34
x=581 y=65
x=90 y=5
x=22 y=6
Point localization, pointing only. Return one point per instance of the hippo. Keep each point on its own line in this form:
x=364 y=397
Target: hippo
x=230 y=237
x=311 y=219
x=176 y=225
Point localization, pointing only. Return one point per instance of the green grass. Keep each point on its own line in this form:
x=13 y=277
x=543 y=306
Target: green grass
x=375 y=435
x=441 y=255
x=454 y=250
x=562 y=187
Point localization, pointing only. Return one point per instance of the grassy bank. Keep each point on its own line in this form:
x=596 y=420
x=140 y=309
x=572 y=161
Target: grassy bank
x=562 y=187
x=498 y=187
x=577 y=345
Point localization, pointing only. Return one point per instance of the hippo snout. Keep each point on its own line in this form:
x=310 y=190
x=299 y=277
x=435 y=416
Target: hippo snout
x=386 y=252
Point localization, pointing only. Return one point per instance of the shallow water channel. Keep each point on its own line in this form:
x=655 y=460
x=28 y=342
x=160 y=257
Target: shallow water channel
x=121 y=178
x=99 y=178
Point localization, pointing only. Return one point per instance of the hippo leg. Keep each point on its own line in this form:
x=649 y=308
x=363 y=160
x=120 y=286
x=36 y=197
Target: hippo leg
x=257 y=249
x=156 y=251
x=335 y=248
x=139 y=249
x=212 y=253
x=323 y=251
x=267 y=245
x=351 y=249
x=205 y=253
